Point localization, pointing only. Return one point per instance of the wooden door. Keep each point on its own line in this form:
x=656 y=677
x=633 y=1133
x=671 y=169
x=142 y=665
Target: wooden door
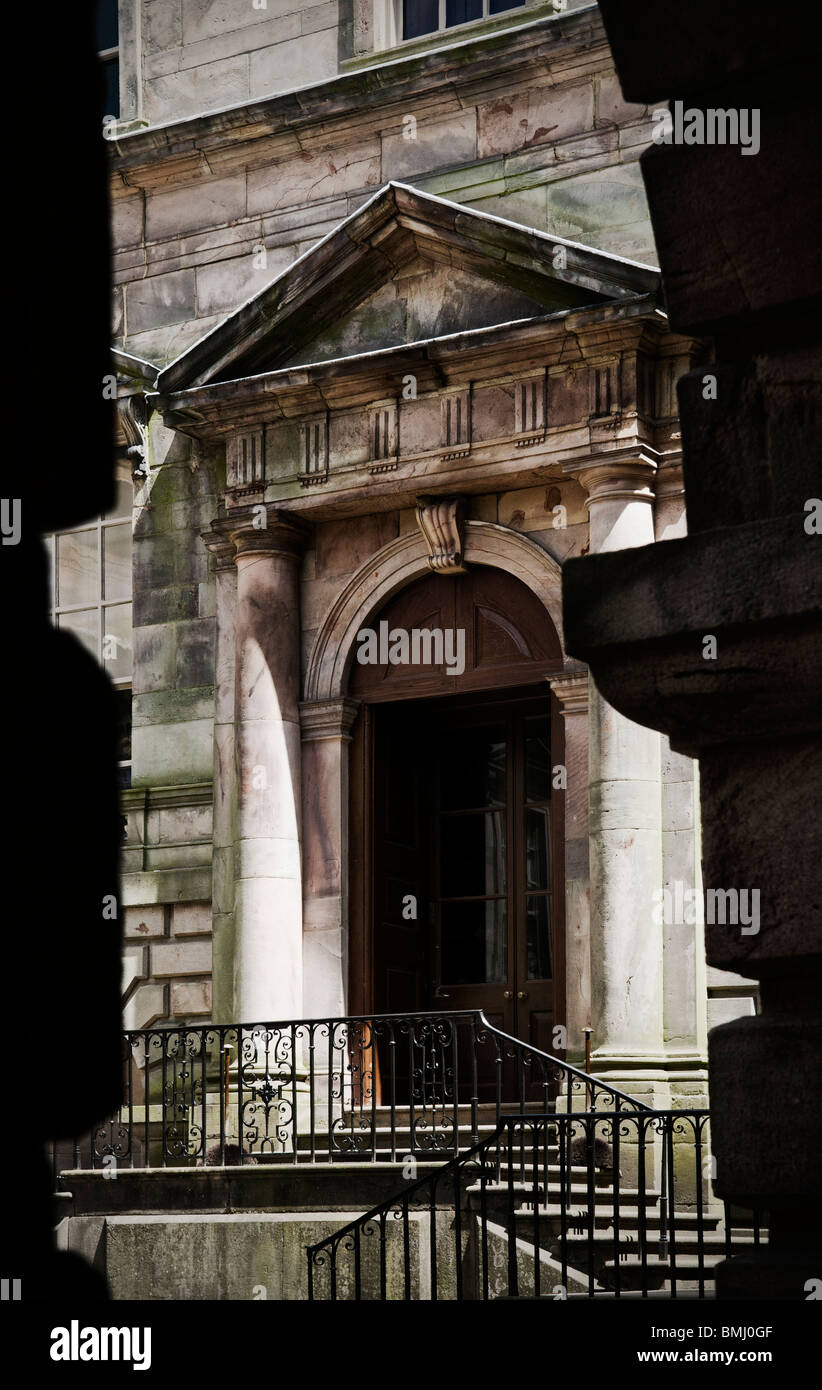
x=453 y=806
x=465 y=863
x=493 y=867
x=400 y=858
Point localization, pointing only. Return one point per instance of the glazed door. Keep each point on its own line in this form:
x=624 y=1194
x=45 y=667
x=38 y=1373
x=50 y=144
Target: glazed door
x=492 y=867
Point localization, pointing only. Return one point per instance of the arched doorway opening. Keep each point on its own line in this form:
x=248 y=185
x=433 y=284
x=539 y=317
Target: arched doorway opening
x=456 y=827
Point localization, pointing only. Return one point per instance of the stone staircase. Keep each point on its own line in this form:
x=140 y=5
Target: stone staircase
x=592 y=1243
x=505 y=1199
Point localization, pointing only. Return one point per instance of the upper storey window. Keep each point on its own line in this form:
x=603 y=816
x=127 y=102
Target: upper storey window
x=421 y=17
x=107 y=43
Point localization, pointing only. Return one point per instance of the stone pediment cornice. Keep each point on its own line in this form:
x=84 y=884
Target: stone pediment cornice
x=523 y=403
x=436 y=364
x=397 y=228
x=485 y=354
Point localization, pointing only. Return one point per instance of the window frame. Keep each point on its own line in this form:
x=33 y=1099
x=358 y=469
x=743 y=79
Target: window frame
x=97 y=525
x=129 y=53
x=111 y=56
x=384 y=21
x=443 y=27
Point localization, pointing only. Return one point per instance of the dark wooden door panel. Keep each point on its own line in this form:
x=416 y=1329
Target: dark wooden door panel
x=456 y=812
x=400 y=853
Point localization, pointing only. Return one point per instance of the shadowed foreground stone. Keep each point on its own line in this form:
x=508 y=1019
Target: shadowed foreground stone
x=749 y=575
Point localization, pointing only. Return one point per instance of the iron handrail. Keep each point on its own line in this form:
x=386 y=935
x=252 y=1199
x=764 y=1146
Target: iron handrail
x=658 y=1231
x=344 y=1088
x=419 y=1015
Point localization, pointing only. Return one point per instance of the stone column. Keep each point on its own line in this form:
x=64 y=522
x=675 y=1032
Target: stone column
x=685 y=984
x=267 y=878
x=223 y=829
x=625 y=839
x=571 y=691
x=326 y=735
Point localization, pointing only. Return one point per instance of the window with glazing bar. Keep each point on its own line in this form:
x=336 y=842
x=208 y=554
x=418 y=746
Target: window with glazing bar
x=429 y=16
x=91 y=597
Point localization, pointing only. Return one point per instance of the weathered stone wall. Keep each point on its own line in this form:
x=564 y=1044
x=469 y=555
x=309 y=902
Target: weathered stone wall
x=167 y=848
x=531 y=127
x=183 y=57
x=201 y=56
x=174 y=607
x=534 y=131
x=167 y=963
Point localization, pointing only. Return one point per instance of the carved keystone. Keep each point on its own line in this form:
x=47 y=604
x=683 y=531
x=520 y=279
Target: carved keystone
x=442 y=523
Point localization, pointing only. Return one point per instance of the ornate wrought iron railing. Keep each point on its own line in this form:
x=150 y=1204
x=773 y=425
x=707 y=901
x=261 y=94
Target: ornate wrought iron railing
x=326 y=1090
x=547 y=1206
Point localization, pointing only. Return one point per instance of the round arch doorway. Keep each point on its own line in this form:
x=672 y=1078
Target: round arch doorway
x=456 y=828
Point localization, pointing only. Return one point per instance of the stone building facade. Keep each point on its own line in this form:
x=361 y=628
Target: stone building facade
x=390 y=342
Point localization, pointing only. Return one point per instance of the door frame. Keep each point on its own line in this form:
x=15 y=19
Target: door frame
x=361 y=839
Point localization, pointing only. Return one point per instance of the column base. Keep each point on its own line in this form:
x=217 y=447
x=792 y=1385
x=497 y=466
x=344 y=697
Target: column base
x=662 y=1081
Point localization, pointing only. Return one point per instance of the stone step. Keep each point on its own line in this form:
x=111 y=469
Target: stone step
x=659 y=1272
x=578 y=1191
x=687 y=1246
x=629 y=1219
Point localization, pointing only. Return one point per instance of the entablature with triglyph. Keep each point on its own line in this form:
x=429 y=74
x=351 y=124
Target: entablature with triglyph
x=446 y=414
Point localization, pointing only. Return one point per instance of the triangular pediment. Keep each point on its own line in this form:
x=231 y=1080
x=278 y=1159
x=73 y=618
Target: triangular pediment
x=405 y=267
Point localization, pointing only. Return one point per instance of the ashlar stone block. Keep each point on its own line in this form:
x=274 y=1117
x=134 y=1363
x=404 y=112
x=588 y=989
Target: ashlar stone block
x=205 y=204
x=183 y=958
x=191 y=919
x=160 y=300
x=536 y=117
x=146 y=1006
x=144 y=922
x=191 y=999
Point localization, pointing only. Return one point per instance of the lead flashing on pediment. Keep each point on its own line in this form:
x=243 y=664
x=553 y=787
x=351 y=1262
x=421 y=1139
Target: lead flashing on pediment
x=136 y=370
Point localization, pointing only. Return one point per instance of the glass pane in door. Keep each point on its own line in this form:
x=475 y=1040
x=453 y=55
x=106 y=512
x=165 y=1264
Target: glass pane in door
x=537 y=847
x=472 y=855
x=537 y=761
x=472 y=768
x=538 y=937
x=473 y=943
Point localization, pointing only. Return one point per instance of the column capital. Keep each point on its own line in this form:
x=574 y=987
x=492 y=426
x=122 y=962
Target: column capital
x=265 y=530
x=618 y=478
x=620 y=502
x=219 y=543
x=571 y=690
x=328 y=719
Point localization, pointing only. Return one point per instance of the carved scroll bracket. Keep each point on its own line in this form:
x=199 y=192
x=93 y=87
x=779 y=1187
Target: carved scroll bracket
x=133 y=413
x=442 y=523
